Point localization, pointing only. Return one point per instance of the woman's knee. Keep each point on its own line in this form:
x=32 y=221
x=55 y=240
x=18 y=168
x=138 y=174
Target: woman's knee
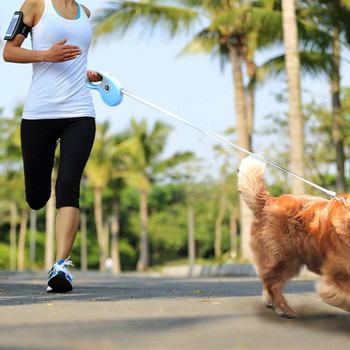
x=35 y=202
x=67 y=191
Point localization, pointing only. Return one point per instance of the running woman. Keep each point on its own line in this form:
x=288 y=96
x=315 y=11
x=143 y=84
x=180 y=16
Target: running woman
x=58 y=107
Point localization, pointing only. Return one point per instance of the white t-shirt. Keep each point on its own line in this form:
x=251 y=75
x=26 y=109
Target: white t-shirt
x=58 y=90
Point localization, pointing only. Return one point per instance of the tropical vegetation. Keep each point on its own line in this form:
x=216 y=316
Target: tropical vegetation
x=135 y=202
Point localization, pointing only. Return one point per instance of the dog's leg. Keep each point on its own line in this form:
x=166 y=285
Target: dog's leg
x=277 y=301
x=274 y=278
x=267 y=298
x=334 y=288
x=335 y=291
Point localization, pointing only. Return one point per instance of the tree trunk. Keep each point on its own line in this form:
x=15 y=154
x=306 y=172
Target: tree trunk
x=251 y=69
x=243 y=140
x=50 y=230
x=115 y=236
x=337 y=120
x=143 y=261
x=233 y=231
x=242 y=122
x=106 y=232
x=13 y=239
x=218 y=224
x=99 y=226
x=32 y=237
x=22 y=238
x=290 y=36
x=191 y=241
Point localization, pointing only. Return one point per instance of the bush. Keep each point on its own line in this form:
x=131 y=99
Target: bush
x=4 y=256
x=128 y=255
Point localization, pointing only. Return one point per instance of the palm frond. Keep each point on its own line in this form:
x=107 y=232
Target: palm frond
x=120 y=16
x=271 y=69
x=345 y=4
x=173 y=161
x=247 y=18
x=313 y=37
x=210 y=6
x=312 y=64
x=204 y=42
x=207 y=42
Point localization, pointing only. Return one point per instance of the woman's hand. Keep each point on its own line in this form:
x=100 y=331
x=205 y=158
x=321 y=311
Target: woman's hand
x=60 y=52
x=93 y=77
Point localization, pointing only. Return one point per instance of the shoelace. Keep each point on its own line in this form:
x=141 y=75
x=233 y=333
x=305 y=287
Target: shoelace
x=67 y=262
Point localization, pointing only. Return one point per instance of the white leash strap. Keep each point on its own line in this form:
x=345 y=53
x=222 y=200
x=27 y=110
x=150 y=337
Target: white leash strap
x=228 y=142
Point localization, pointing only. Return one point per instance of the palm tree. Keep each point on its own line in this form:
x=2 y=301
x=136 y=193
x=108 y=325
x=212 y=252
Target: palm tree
x=146 y=166
x=22 y=238
x=334 y=18
x=290 y=34
x=116 y=185
x=337 y=120
x=227 y=201
x=11 y=179
x=230 y=28
x=326 y=25
x=127 y=148
x=50 y=224
x=97 y=171
x=107 y=162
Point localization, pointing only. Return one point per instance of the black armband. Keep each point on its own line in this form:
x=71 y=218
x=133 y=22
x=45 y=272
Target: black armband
x=17 y=27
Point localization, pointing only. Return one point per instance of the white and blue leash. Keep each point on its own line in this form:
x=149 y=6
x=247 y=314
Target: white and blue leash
x=112 y=94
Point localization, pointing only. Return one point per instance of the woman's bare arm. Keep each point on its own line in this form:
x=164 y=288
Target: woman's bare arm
x=59 y=52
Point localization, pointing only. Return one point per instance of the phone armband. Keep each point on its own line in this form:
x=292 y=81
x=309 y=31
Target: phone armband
x=17 y=27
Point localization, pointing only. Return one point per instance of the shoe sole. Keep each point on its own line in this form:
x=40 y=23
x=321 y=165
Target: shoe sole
x=59 y=284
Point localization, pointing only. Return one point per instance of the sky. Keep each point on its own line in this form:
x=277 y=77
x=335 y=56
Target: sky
x=193 y=87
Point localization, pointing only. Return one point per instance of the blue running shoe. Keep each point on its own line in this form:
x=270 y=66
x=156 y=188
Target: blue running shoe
x=60 y=279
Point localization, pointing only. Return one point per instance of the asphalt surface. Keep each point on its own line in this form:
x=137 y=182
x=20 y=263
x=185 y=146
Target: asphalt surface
x=133 y=311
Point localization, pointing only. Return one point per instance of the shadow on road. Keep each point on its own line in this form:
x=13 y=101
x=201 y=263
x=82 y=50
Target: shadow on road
x=309 y=317
x=101 y=308
x=18 y=291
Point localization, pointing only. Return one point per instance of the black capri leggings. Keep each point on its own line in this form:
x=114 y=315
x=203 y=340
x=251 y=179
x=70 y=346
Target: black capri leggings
x=39 y=139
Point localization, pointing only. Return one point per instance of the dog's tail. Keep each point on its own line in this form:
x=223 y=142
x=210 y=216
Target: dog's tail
x=251 y=183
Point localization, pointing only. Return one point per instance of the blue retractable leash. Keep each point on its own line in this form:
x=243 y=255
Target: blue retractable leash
x=112 y=94
x=109 y=89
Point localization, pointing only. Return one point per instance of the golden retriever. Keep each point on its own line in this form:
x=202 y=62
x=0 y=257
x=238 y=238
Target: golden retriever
x=290 y=231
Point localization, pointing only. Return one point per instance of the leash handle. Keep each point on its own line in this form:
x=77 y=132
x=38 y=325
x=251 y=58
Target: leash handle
x=109 y=89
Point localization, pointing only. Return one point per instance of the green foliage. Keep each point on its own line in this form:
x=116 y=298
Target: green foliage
x=168 y=202
x=319 y=150
x=39 y=249
x=246 y=25
x=162 y=197
x=168 y=233
x=4 y=256
x=128 y=255
x=126 y=163
x=121 y=16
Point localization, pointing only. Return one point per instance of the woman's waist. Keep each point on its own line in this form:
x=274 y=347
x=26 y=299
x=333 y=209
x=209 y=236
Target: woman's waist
x=69 y=72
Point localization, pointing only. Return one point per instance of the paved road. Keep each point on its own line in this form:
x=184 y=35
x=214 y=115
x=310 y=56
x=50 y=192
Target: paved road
x=152 y=312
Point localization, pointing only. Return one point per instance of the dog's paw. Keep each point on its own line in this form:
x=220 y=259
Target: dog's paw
x=285 y=314
x=268 y=305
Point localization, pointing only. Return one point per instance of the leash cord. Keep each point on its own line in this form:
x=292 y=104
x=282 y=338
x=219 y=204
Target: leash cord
x=228 y=142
